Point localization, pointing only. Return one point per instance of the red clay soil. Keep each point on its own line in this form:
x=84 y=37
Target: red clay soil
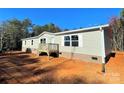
x=25 y=68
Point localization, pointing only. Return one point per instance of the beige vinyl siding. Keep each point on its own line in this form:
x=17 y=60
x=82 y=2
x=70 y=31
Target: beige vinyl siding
x=91 y=44
x=35 y=43
x=58 y=40
x=29 y=45
x=48 y=38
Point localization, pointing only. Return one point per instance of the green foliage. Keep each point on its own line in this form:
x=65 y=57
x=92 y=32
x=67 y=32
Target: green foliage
x=12 y=31
x=122 y=13
x=37 y=29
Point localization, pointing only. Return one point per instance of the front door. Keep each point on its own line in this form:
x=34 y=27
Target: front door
x=52 y=40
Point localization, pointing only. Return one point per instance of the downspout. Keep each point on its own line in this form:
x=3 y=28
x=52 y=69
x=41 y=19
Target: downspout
x=103 y=49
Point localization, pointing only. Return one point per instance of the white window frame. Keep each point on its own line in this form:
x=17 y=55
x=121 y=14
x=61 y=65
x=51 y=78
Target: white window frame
x=45 y=40
x=74 y=40
x=67 y=40
x=25 y=42
x=32 y=43
x=80 y=40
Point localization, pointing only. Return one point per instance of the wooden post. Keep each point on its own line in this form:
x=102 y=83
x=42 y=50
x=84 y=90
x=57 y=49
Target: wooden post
x=58 y=49
x=103 y=68
x=48 y=53
x=38 y=53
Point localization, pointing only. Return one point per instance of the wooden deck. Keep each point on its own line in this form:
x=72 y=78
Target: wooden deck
x=49 y=48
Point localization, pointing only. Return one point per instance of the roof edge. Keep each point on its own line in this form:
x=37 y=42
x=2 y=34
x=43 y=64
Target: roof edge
x=70 y=31
x=83 y=29
x=37 y=36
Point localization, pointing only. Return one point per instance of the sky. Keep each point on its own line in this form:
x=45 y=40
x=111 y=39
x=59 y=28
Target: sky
x=65 y=18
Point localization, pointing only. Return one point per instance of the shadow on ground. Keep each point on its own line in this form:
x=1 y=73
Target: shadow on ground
x=22 y=68
x=109 y=56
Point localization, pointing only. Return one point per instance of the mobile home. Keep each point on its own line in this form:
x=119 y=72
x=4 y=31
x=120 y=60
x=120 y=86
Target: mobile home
x=90 y=44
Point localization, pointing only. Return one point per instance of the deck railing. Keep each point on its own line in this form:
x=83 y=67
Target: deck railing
x=48 y=48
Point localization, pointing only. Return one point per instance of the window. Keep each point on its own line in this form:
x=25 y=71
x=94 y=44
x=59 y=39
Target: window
x=67 y=41
x=25 y=42
x=74 y=40
x=43 y=41
x=31 y=42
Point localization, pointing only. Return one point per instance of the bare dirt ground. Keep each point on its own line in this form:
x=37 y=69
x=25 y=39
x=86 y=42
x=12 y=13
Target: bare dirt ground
x=30 y=69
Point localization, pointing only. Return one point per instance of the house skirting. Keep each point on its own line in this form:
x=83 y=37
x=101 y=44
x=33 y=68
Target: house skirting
x=33 y=50
x=83 y=57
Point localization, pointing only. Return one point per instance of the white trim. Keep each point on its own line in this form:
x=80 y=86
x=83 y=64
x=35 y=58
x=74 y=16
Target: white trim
x=79 y=40
x=43 y=38
x=62 y=40
x=32 y=42
x=45 y=32
x=84 y=29
x=46 y=40
x=25 y=42
x=102 y=45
